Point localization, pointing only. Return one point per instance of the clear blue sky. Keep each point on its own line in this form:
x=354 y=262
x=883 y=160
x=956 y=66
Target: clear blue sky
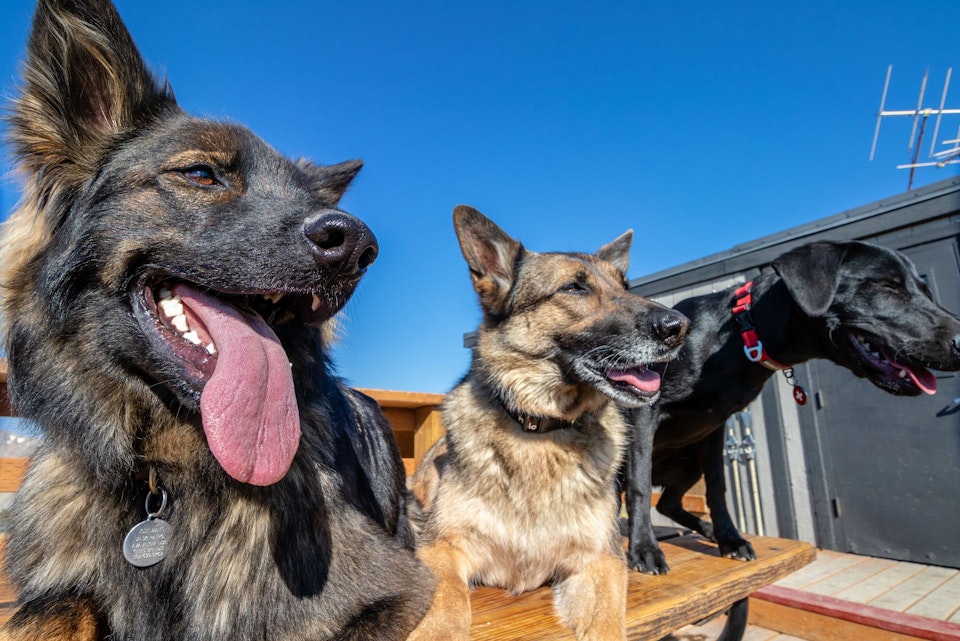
x=700 y=125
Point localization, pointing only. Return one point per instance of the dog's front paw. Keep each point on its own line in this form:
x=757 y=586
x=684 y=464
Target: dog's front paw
x=738 y=549
x=648 y=559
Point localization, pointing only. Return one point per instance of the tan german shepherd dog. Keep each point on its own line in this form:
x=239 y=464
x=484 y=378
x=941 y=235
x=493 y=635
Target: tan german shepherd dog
x=520 y=493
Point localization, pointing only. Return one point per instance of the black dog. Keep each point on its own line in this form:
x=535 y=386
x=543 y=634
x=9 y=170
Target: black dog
x=856 y=304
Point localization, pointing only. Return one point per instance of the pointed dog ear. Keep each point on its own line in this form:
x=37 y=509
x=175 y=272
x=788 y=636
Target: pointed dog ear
x=84 y=85
x=617 y=251
x=490 y=253
x=331 y=181
x=812 y=273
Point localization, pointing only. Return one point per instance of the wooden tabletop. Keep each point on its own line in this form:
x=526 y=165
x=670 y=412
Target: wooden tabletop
x=700 y=583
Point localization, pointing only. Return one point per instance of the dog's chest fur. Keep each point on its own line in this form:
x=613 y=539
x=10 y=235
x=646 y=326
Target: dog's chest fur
x=529 y=508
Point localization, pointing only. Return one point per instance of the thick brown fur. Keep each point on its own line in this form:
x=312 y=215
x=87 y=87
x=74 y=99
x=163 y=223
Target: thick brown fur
x=126 y=195
x=503 y=506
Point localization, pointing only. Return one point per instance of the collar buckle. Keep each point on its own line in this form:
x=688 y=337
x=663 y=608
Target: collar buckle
x=754 y=353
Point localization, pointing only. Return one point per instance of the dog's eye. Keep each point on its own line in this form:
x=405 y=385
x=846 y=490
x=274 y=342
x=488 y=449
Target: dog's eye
x=200 y=175
x=890 y=284
x=575 y=287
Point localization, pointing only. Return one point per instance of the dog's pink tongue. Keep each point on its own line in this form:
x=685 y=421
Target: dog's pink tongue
x=248 y=407
x=922 y=378
x=644 y=379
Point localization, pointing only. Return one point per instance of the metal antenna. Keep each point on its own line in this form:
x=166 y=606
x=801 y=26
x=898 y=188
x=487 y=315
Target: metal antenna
x=943 y=101
x=883 y=101
x=916 y=114
x=920 y=116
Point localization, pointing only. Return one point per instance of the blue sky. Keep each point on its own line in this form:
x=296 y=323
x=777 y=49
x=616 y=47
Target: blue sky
x=700 y=125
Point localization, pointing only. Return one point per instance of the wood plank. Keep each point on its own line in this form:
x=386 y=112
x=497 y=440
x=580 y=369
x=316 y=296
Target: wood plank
x=827 y=564
x=700 y=584
x=429 y=429
x=12 y=471
x=880 y=623
x=812 y=626
x=941 y=603
x=913 y=589
x=851 y=577
x=955 y=618
x=880 y=583
x=396 y=398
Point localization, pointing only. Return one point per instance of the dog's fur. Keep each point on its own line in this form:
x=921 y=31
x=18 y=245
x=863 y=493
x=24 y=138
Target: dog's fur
x=509 y=508
x=297 y=531
x=834 y=300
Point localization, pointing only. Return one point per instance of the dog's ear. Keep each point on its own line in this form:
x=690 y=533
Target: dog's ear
x=490 y=253
x=812 y=273
x=617 y=251
x=331 y=181
x=85 y=85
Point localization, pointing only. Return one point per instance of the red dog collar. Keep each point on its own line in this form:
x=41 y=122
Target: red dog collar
x=753 y=346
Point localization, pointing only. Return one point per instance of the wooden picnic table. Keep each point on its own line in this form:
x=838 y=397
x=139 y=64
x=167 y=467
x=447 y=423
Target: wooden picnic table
x=701 y=583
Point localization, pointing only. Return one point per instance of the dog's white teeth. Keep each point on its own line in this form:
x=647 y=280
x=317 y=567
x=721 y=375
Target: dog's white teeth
x=903 y=373
x=171 y=307
x=180 y=323
x=274 y=298
x=316 y=303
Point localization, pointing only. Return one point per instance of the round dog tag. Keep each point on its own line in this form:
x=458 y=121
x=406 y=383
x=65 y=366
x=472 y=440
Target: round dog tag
x=146 y=543
x=799 y=395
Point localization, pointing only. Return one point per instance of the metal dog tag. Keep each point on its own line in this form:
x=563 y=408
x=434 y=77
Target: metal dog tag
x=146 y=542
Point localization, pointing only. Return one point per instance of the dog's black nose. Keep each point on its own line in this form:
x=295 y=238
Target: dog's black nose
x=339 y=241
x=671 y=327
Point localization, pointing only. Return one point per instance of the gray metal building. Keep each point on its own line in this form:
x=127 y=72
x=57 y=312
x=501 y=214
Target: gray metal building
x=856 y=469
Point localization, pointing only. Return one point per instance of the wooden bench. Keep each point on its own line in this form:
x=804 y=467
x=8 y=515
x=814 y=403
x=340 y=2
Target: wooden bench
x=701 y=584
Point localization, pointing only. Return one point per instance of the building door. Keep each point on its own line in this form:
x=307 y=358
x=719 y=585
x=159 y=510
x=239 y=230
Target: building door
x=885 y=470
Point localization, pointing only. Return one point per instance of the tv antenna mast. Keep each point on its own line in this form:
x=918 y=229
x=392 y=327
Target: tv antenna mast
x=948 y=156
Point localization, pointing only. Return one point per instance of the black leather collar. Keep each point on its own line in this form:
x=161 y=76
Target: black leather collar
x=536 y=424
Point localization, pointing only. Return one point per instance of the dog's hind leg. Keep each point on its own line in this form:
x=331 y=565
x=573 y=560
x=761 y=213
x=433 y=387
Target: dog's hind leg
x=66 y=619
x=643 y=552
x=725 y=533
x=593 y=602
x=449 y=616
x=682 y=471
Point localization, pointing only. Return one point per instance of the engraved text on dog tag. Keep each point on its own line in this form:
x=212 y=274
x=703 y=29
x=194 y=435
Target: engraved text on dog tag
x=146 y=543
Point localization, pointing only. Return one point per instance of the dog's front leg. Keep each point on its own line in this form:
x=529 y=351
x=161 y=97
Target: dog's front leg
x=66 y=619
x=725 y=533
x=643 y=551
x=593 y=602
x=449 y=616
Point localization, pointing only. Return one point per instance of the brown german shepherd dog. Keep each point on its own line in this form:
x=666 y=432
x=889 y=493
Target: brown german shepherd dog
x=168 y=284
x=520 y=492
